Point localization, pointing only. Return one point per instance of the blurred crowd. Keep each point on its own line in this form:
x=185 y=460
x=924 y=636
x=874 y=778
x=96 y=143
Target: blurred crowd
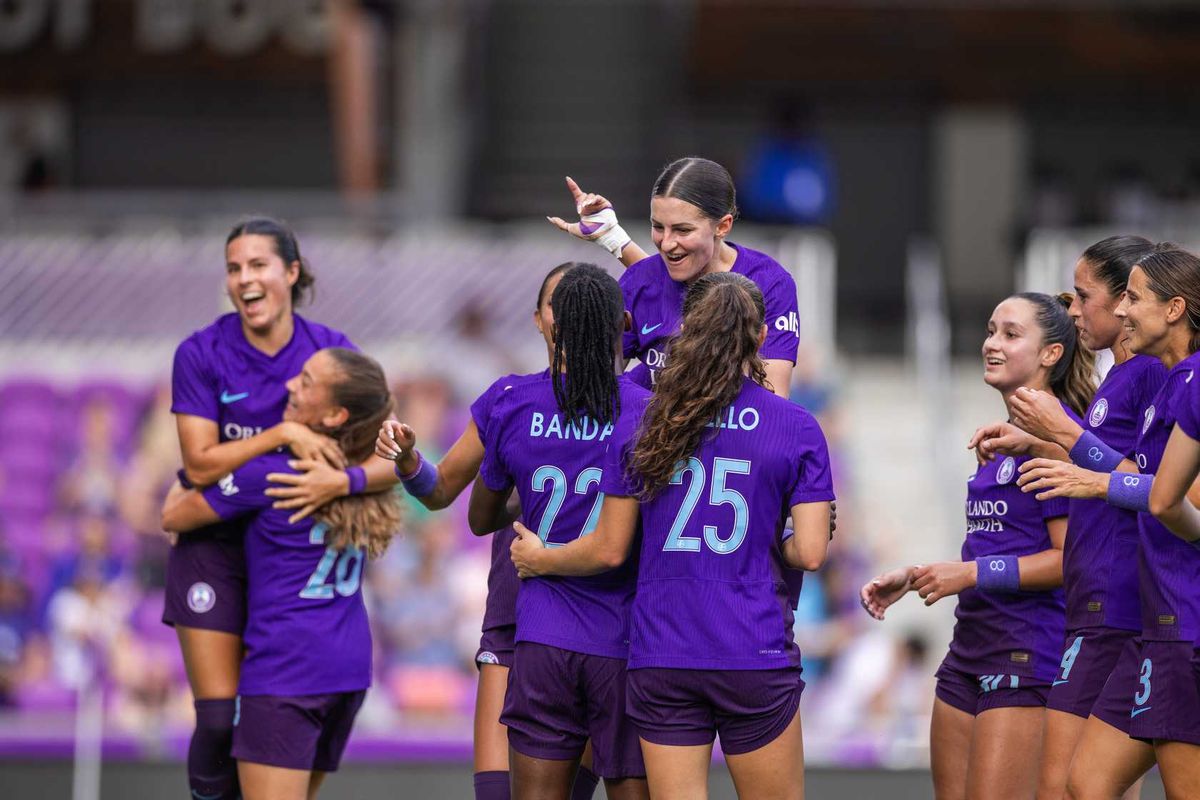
x=81 y=580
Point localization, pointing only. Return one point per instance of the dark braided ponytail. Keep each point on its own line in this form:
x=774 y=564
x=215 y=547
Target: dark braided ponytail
x=589 y=317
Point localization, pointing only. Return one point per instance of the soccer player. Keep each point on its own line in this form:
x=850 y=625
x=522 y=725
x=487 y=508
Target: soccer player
x=712 y=468
x=993 y=684
x=228 y=395
x=436 y=487
x=1159 y=678
x=692 y=209
x=308 y=643
x=547 y=439
x=1100 y=552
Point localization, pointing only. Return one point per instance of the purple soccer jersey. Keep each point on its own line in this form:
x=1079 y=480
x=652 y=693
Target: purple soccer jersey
x=220 y=376
x=1168 y=567
x=1018 y=633
x=306 y=629
x=656 y=304
x=710 y=591
x=1100 y=553
x=557 y=469
x=502 y=582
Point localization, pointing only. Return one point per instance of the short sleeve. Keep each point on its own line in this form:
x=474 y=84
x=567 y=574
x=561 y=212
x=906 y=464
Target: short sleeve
x=814 y=478
x=493 y=469
x=243 y=491
x=481 y=409
x=193 y=388
x=629 y=340
x=615 y=480
x=1187 y=414
x=782 y=319
x=1054 y=507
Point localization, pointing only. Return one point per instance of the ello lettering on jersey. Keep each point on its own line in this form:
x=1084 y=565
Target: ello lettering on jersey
x=744 y=420
x=555 y=428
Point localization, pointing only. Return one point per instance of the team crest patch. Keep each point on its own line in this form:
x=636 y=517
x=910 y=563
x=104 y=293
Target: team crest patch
x=1149 y=419
x=1006 y=471
x=1099 y=412
x=487 y=657
x=201 y=597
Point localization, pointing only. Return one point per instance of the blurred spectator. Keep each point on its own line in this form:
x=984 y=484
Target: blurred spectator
x=90 y=483
x=84 y=619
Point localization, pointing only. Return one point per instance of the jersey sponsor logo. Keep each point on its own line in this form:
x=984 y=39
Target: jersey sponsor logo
x=648 y=329
x=788 y=322
x=228 y=398
x=227 y=486
x=1149 y=419
x=585 y=430
x=985 y=516
x=1006 y=471
x=654 y=359
x=734 y=420
x=487 y=657
x=234 y=431
x=201 y=597
x=1099 y=412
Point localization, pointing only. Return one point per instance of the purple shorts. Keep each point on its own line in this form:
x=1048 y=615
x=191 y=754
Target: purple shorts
x=206 y=584
x=1089 y=657
x=496 y=646
x=975 y=694
x=1166 y=703
x=1113 y=704
x=558 y=699
x=748 y=708
x=308 y=732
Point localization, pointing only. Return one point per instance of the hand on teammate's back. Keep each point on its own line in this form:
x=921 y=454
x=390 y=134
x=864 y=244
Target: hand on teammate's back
x=524 y=550
x=312 y=486
x=1060 y=479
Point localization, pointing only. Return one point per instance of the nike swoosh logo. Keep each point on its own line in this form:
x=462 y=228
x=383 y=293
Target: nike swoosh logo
x=1137 y=711
x=1056 y=683
x=226 y=397
x=648 y=328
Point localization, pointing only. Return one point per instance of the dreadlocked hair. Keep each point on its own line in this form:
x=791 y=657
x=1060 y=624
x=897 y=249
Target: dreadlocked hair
x=710 y=357
x=1072 y=377
x=589 y=317
x=366 y=521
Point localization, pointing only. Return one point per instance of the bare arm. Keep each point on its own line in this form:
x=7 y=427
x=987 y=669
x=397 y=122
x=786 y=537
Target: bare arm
x=1043 y=570
x=603 y=549
x=186 y=510
x=1176 y=489
x=489 y=510
x=807 y=546
x=455 y=471
x=206 y=459
x=779 y=373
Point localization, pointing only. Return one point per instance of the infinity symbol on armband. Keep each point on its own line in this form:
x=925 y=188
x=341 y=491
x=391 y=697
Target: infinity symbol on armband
x=996 y=566
x=1095 y=454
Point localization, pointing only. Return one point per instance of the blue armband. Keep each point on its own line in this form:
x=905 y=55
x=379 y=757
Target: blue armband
x=358 y=479
x=1091 y=453
x=997 y=574
x=1130 y=490
x=422 y=481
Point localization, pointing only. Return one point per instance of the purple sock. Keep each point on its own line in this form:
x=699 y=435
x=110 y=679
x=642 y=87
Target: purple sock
x=585 y=784
x=492 y=785
x=212 y=772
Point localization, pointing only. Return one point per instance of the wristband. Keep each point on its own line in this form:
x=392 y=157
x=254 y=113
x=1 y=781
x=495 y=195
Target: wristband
x=608 y=232
x=997 y=574
x=183 y=479
x=358 y=479
x=421 y=481
x=1129 y=490
x=1091 y=453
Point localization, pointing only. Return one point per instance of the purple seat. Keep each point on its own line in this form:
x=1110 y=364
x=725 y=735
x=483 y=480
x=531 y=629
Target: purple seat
x=33 y=459
x=28 y=392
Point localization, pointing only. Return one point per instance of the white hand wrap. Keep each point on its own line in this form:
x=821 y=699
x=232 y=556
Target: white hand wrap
x=603 y=228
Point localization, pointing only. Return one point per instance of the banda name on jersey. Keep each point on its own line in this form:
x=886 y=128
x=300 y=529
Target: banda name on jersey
x=585 y=430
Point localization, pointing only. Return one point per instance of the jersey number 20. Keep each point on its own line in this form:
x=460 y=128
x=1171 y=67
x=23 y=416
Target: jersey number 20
x=345 y=564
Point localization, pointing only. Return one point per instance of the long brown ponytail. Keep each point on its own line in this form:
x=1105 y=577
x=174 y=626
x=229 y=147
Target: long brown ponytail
x=368 y=521
x=1073 y=376
x=707 y=364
